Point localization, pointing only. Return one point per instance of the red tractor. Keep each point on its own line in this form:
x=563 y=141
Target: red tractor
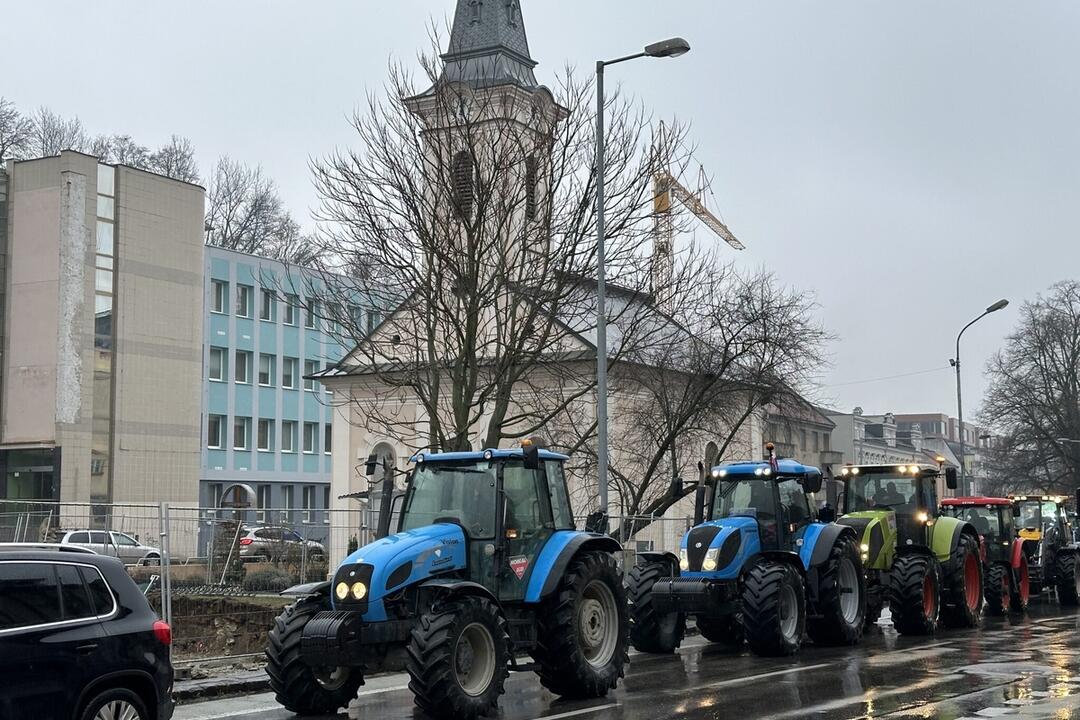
x=1006 y=581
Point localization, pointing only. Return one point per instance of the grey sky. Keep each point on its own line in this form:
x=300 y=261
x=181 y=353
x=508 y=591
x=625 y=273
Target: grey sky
x=911 y=162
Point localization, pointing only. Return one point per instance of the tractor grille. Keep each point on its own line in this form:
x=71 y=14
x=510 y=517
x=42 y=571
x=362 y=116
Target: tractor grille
x=697 y=544
x=729 y=550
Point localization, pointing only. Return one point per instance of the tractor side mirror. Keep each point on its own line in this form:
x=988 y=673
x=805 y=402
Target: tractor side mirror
x=952 y=480
x=371 y=465
x=532 y=457
x=677 y=487
x=832 y=493
x=812 y=483
x=699 y=504
x=597 y=522
x=827 y=514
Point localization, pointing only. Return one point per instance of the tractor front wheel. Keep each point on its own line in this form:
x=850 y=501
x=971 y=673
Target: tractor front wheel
x=1068 y=579
x=774 y=609
x=963 y=608
x=1020 y=591
x=458 y=658
x=997 y=589
x=651 y=631
x=915 y=594
x=583 y=629
x=841 y=597
x=727 y=630
x=299 y=687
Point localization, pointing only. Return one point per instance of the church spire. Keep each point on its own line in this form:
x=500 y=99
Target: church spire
x=488 y=46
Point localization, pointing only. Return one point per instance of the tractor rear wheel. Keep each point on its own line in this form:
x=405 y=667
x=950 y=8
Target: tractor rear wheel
x=774 y=608
x=964 y=586
x=651 y=631
x=841 y=597
x=1021 y=587
x=915 y=594
x=997 y=589
x=726 y=630
x=583 y=630
x=1068 y=579
x=299 y=687
x=458 y=658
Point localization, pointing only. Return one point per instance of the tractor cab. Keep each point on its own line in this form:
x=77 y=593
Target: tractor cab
x=1041 y=515
x=905 y=496
x=991 y=517
x=1048 y=543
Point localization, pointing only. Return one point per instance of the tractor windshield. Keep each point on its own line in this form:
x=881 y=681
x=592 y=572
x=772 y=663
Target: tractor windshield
x=882 y=491
x=984 y=518
x=462 y=493
x=1036 y=515
x=746 y=498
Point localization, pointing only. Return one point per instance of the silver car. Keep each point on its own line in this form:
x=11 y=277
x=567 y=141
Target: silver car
x=262 y=544
x=116 y=544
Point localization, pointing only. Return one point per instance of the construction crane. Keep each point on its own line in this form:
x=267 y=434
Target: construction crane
x=668 y=190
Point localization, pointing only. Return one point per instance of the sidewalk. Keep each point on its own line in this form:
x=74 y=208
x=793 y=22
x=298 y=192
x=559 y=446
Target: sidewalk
x=234 y=683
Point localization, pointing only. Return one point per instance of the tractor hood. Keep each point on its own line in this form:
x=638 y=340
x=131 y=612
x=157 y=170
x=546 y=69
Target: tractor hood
x=876 y=533
x=727 y=542
x=392 y=563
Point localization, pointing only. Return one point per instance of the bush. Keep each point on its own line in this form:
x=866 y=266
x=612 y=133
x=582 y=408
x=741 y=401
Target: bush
x=268 y=579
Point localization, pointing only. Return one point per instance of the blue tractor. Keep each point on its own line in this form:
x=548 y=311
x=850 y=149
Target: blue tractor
x=761 y=565
x=486 y=568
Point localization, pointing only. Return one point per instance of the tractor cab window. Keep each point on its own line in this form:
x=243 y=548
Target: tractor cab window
x=560 y=499
x=528 y=506
x=1038 y=515
x=883 y=492
x=463 y=493
x=983 y=518
x=749 y=498
x=793 y=502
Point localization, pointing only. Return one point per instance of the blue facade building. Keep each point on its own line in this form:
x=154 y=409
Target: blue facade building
x=267 y=328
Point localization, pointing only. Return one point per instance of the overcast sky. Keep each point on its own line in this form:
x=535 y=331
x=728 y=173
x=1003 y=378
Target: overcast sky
x=909 y=162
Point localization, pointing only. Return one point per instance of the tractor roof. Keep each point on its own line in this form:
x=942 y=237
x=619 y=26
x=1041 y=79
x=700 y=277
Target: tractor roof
x=1059 y=499
x=480 y=455
x=755 y=468
x=970 y=501
x=849 y=470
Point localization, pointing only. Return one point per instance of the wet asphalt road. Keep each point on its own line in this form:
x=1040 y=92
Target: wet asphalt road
x=1023 y=668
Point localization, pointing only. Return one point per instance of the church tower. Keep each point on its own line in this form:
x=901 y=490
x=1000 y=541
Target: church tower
x=488 y=46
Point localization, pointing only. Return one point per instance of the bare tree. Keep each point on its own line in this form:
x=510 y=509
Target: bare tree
x=1034 y=394
x=125 y=151
x=175 y=159
x=15 y=131
x=51 y=134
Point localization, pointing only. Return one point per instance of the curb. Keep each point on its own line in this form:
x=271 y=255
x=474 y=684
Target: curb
x=194 y=690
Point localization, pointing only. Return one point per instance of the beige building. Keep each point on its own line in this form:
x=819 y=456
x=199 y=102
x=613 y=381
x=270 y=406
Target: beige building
x=102 y=333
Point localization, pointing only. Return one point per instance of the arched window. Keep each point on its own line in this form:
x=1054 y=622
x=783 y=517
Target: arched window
x=531 y=178
x=464 y=184
x=476 y=11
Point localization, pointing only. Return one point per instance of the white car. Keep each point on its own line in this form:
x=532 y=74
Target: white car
x=116 y=544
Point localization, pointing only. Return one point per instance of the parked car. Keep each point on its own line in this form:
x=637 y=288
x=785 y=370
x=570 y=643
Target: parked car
x=116 y=544
x=265 y=543
x=17 y=547
x=78 y=641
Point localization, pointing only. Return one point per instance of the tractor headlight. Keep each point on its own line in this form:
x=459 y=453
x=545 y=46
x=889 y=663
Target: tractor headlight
x=359 y=590
x=865 y=548
x=710 y=560
x=342 y=591
x=922 y=517
x=684 y=562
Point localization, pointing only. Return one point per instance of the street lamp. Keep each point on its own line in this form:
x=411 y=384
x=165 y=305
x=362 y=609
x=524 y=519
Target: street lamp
x=999 y=305
x=671 y=48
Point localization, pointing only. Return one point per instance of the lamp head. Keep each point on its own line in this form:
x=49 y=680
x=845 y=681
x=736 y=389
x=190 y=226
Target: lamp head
x=999 y=305
x=671 y=48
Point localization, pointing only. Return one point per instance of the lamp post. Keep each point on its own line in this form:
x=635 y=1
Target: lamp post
x=999 y=305
x=664 y=49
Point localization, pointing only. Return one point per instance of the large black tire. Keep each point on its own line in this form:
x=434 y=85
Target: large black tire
x=572 y=661
x=299 y=687
x=453 y=640
x=118 y=702
x=914 y=594
x=964 y=586
x=1068 y=579
x=650 y=631
x=774 y=608
x=997 y=589
x=727 y=630
x=1020 y=587
x=842 y=619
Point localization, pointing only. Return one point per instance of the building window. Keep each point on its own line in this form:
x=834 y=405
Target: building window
x=309 y=503
x=215 y=495
x=292 y=308
x=266 y=370
x=219 y=364
x=243 y=367
x=215 y=432
x=242 y=433
x=531 y=178
x=266 y=310
x=464 y=184
x=328 y=443
x=288 y=373
x=243 y=300
x=311 y=437
x=266 y=435
x=326 y=504
x=311 y=313
x=310 y=368
x=802 y=441
x=219 y=290
x=817 y=443
x=288 y=502
x=826 y=441
x=333 y=318
x=288 y=436
x=263 y=501
x=373 y=321
x=356 y=319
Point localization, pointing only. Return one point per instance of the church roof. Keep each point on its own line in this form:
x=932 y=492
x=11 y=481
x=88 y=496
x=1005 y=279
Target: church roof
x=488 y=46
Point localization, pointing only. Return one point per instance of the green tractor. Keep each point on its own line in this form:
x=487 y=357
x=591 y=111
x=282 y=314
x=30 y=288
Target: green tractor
x=925 y=566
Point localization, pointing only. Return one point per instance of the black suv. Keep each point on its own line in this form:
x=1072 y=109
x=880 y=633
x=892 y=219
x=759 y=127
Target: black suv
x=78 y=641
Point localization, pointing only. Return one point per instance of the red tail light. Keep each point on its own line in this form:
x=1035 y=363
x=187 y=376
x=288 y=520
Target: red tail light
x=245 y=541
x=163 y=632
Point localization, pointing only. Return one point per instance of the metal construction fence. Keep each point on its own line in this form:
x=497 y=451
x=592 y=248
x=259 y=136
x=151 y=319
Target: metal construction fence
x=215 y=574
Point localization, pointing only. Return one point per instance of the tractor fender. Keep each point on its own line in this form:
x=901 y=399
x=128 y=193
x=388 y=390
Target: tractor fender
x=665 y=557
x=551 y=564
x=315 y=589
x=781 y=556
x=452 y=586
x=817 y=548
x=1017 y=558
